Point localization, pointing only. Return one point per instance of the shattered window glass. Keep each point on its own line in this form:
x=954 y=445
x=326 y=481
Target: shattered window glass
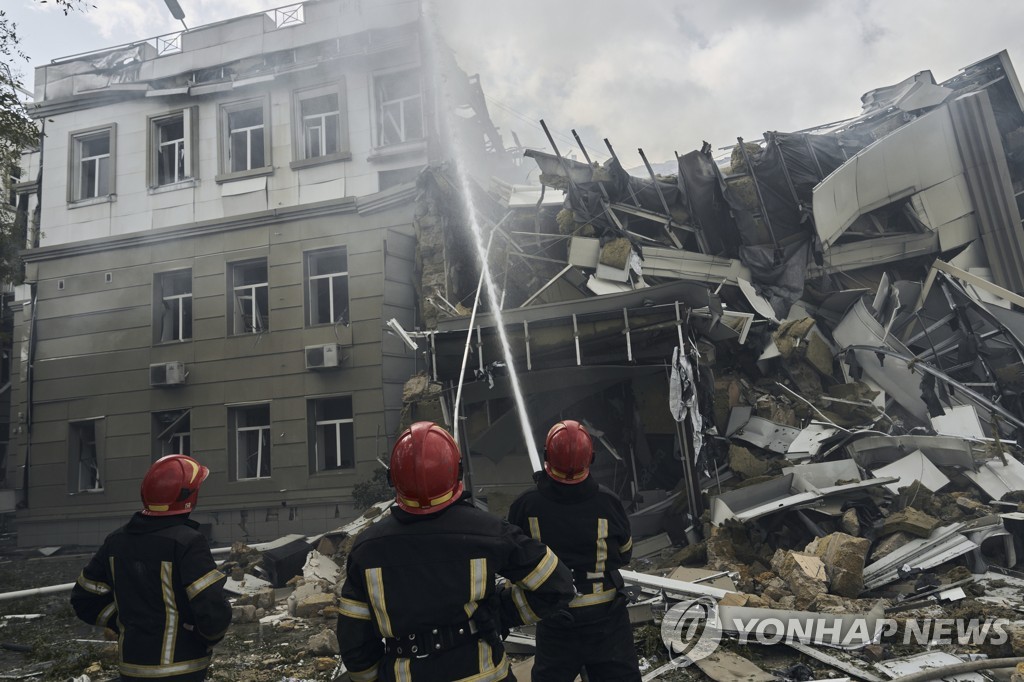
x=251 y=425
x=84 y=453
x=173 y=433
x=171 y=150
x=334 y=440
x=174 y=314
x=251 y=314
x=399 y=108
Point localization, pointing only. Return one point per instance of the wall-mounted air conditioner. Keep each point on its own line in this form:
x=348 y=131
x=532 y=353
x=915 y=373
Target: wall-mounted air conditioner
x=324 y=356
x=167 y=374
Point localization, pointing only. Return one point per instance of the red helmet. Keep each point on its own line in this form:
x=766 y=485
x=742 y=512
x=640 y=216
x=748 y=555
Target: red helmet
x=426 y=469
x=568 y=452
x=171 y=485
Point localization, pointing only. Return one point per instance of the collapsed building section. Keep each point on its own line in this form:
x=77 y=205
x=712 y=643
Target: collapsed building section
x=751 y=316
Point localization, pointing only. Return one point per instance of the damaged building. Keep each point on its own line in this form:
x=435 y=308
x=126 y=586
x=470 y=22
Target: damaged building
x=772 y=345
x=224 y=223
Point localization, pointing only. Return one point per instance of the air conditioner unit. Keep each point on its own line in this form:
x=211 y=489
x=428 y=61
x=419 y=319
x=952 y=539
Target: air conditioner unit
x=167 y=374
x=325 y=356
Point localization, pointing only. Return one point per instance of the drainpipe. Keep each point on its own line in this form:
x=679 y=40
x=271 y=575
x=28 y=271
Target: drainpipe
x=28 y=399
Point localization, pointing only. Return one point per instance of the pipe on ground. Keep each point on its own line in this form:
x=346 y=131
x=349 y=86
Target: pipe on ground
x=966 y=667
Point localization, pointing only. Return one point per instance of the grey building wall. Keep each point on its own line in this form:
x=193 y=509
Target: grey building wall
x=94 y=343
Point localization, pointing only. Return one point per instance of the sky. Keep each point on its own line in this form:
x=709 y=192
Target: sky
x=661 y=75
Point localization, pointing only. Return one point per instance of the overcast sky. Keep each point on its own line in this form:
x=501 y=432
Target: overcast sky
x=663 y=75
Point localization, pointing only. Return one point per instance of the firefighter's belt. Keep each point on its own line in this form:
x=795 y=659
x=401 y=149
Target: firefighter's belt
x=433 y=641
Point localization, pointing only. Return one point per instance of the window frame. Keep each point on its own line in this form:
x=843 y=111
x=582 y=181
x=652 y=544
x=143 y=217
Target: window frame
x=190 y=125
x=75 y=452
x=234 y=431
x=315 y=420
x=378 y=109
x=224 y=139
x=307 y=283
x=344 y=151
x=158 y=306
x=176 y=435
x=75 y=140
x=234 y=314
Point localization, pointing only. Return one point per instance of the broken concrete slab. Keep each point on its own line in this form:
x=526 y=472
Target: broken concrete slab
x=320 y=567
x=911 y=521
x=324 y=643
x=803 y=574
x=843 y=556
x=745 y=463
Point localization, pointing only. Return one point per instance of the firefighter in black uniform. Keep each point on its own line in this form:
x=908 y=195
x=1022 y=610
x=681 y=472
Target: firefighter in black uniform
x=155 y=584
x=419 y=602
x=586 y=526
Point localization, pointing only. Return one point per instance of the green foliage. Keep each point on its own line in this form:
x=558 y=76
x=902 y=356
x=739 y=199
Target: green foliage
x=18 y=132
x=374 y=489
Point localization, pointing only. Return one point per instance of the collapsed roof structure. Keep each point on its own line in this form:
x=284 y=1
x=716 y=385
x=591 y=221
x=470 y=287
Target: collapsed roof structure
x=802 y=362
x=896 y=233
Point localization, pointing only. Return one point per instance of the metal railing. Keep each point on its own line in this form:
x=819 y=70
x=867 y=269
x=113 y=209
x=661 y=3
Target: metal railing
x=170 y=43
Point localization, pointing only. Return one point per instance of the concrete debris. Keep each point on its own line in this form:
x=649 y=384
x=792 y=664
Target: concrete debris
x=324 y=643
x=843 y=556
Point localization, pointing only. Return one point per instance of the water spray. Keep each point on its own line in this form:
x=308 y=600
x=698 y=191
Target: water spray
x=485 y=271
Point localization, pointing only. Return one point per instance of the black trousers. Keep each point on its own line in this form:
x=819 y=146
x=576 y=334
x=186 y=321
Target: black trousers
x=604 y=647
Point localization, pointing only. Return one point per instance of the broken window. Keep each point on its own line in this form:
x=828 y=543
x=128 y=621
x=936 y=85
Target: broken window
x=327 y=295
x=13 y=178
x=250 y=446
x=250 y=312
x=244 y=136
x=84 y=456
x=399 y=107
x=173 y=306
x=320 y=122
x=172 y=148
x=92 y=164
x=332 y=437
x=172 y=433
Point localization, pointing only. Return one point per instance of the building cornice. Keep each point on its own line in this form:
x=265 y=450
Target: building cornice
x=249 y=220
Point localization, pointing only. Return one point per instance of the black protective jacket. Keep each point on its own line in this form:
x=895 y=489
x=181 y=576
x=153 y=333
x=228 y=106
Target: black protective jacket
x=409 y=575
x=154 y=582
x=588 y=529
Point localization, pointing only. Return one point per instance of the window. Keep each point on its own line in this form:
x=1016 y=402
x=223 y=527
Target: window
x=327 y=295
x=332 y=434
x=13 y=178
x=173 y=306
x=171 y=433
x=250 y=304
x=250 y=445
x=321 y=130
x=172 y=148
x=92 y=164
x=245 y=136
x=399 y=107
x=84 y=456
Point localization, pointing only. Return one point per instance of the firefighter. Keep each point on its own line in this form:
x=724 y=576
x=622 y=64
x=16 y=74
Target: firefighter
x=586 y=526
x=420 y=602
x=154 y=582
